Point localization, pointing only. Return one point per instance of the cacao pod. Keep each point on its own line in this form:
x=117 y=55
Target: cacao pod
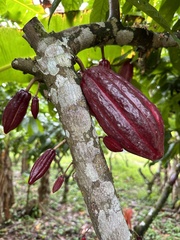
x=15 y=110
x=105 y=63
x=126 y=70
x=41 y=165
x=58 y=183
x=35 y=107
x=128 y=118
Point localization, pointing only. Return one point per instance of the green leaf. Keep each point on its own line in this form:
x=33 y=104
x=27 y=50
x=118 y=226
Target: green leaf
x=12 y=46
x=99 y=11
x=147 y=8
x=53 y=8
x=168 y=8
x=71 y=5
x=126 y=8
x=172 y=150
x=3 y=7
x=21 y=11
x=174 y=54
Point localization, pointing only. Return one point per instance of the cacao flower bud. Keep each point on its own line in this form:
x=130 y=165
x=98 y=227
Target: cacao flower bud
x=15 y=110
x=124 y=113
x=35 y=107
x=58 y=183
x=105 y=63
x=41 y=165
x=126 y=70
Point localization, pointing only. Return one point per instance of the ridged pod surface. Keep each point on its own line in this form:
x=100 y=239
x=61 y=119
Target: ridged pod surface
x=41 y=165
x=129 y=119
x=35 y=107
x=58 y=183
x=126 y=70
x=15 y=110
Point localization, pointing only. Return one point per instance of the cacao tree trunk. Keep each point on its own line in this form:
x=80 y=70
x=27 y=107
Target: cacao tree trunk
x=24 y=161
x=54 y=65
x=6 y=183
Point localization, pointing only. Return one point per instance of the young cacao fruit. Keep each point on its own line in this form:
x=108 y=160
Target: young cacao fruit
x=126 y=70
x=15 y=110
x=58 y=183
x=41 y=165
x=128 y=118
x=35 y=107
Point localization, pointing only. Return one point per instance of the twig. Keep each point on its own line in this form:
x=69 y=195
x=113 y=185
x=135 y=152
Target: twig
x=114 y=9
x=144 y=225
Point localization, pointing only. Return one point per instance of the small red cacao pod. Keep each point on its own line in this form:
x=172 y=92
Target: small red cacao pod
x=15 y=110
x=58 y=183
x=105 y=63
x=124 y=113
x=112 y=145
x=126 y=70
x=41 y=165
x=35 y=106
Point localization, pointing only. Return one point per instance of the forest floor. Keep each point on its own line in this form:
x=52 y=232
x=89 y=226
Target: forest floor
x=69 y=221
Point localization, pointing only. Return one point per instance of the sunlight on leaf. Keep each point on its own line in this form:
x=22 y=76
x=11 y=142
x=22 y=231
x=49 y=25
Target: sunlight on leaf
x=99 y=11
x=21 y=11
x=150 y=11
x=71 y=5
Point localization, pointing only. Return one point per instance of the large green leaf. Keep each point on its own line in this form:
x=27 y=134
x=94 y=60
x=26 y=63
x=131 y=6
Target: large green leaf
x=99 y=11
x=174 y=54
x=12 y=46
x=21 y=11
x=71 y=5
x=151 y=11
x=2 y=7
x=167 y=11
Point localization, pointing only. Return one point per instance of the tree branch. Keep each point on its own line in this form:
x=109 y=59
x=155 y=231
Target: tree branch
x=90 y=35
x=144 y=225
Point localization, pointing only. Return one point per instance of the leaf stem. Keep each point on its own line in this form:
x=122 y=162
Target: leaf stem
x=80 y=63
x=30 y=84
x=59 y=144
x=114 y=11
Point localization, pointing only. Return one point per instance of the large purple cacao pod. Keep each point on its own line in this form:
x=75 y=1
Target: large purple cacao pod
x=129 y=119
x=15 y=110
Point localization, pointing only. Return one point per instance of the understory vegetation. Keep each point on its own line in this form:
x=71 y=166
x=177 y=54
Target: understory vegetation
x=70 y=220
